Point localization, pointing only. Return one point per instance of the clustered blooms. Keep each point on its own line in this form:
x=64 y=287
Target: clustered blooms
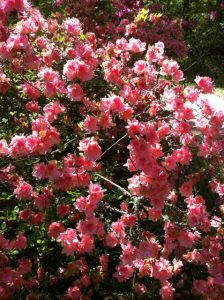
x=113 y=179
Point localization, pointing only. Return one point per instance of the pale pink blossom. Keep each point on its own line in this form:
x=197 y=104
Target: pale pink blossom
x=91 y=148
x=167 y=290
x=136 y=45
x=205 y=84
x=72 y=26
x=162 y=270
x=91 y=226
x=90 y=123
x=78 y=69
x=24 y=191
x=4 y=150
x=75 y=92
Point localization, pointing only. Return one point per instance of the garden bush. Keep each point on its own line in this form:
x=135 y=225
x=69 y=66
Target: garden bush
x=111 y=166
x=202 y=24
x=192 y=31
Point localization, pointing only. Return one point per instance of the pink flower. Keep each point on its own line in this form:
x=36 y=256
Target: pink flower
x=197 y=216
x=136 y=45
x=148 y=249
x=20 y=146
x=4 y=83
x=91 y=226
x=171 y=68
x=86 y=280
x=205 y=84
x=52 y=82
x=162 y=270
x=69 y=241
x=78 y=69
x=105 y=121
x=191 y=94
x=63 y=210
x=70 y=53
x=54 y=229
x=32 y=90
x=7 y=275
x=4 y=243
x=95 y=192
x=38 y=218
x=75 y=92
x=42 y=201
x=187 y=238
x=104 y=259
x=84 y=205
x=121 y=45
x=123 y=273
x=10 y=5
x=128 y=254
x=90 y=148
x=24 y=191
x=41 y=42
x=177 y=265
x=32 y=106
x=140 y=289
x=170 y=162
x=154 y=214
x=72 y=26
x=52 y=110
x=155 y=53
x=183 y=155
x=86 y=245
x=129 y=220
x=124 y=207
x=19 y=243
x=167 y=290
x=3 y=148
x=117 y=104
x=119 y=229
x=42 y=171
x=213 y=15
x=186 y=189
x=24 y=266
x=140 y=67
x=192 y=256
x=90 y=123
x=110 y=240
x=112 y=69
x=51 y=55
x=74 y=293
x=217 y=187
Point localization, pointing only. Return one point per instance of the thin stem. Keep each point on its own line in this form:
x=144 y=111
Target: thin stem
x=175 y=207
x=108 y=149
x=113 y=209
x=59 y=151
x=39 y=90
x=114 y=184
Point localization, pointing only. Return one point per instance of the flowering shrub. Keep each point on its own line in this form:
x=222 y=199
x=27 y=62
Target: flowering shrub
x=202 y=24
x=111 y=173
x=112 y=19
